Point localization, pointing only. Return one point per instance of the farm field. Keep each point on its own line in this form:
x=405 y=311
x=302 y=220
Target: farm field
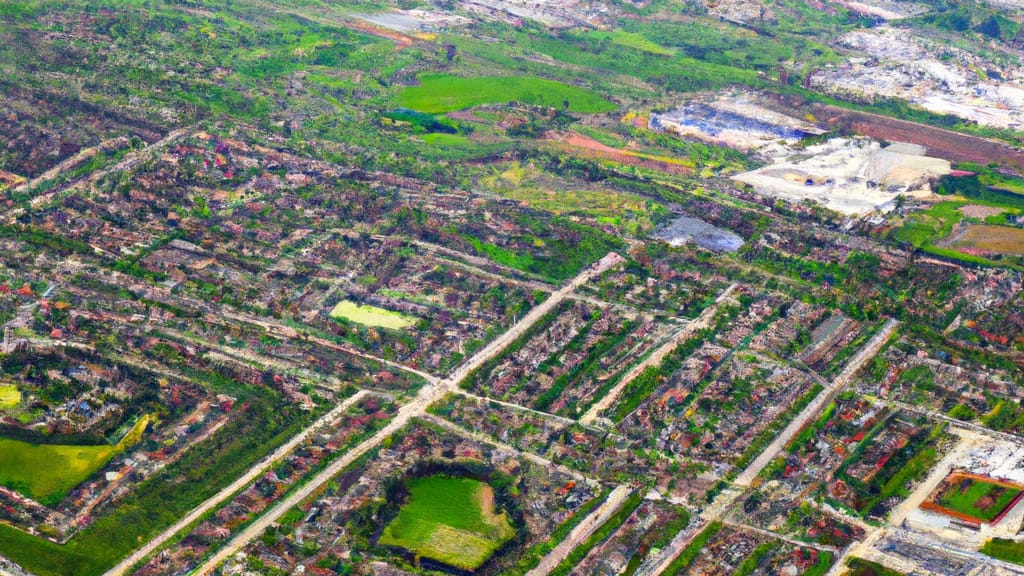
x=66 y=466
x=371 y=316
x=9 y=396
x=451 y=520
x=440 y=93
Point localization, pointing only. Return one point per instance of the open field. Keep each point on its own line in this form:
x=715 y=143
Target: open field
x=1008 y=550
x=451 y=520
x=371 y=316
x=630 y=40
x=442 y=139
x=21 y=464
x=973 y=497
x=440 y=93
x=9 y=396
x=596 y=202
x=991 y=238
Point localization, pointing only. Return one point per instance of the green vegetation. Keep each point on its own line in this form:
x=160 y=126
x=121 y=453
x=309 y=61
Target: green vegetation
x=479 y=376
x=1006 y=416
x=808 y=432
x=258 y=427
x=535 y=553
x=861 y=567
x=648 y=381
x=371 y=316
x=587 y=366
x=904 y=467
x=1007 y=550
x=442 y=139
x=772 y=430
x=749 y=564
x=633 y=40
x=689 y=554
x=822 y=566
x=10 y=396
x=451 y=520
x=966 y=495
x=556 y=250
x=46 y=472
x=439 y=93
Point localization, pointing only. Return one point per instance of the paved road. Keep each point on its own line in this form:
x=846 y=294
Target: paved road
x=774 y=536
x=487 y=439
x=517 y=407
x=582 y=531
x=253 y=473
x=655 y=359
x=427 y=395
x=716 y=510
x=865 y=354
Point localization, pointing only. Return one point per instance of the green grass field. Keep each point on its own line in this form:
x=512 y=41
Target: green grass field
x=9 y=396
x=965 y=501
x=631 y=40
x=440 y=93
x=46 y=472
x=442 y=139
x=1005 y=550
x=451 y=520
x=371 y=316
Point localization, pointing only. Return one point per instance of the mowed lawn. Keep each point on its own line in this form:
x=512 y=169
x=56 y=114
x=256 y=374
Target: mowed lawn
x=450 y=520
x=965 y=501
x=371 y=316
x=9 y=396
x=46 y=472
x=440 y=93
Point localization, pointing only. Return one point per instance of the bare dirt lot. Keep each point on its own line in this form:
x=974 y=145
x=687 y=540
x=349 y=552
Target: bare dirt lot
x=988 y=238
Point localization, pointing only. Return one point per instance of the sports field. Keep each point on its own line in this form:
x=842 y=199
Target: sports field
x=450 y=520
x=440 y=93
x=371 y=316
x=974 y=497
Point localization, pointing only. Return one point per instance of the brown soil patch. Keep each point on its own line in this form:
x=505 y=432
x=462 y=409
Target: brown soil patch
x=979 y=211
x=588 y=147
x=942 y=143
x=991 y=238
x=401 y=40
